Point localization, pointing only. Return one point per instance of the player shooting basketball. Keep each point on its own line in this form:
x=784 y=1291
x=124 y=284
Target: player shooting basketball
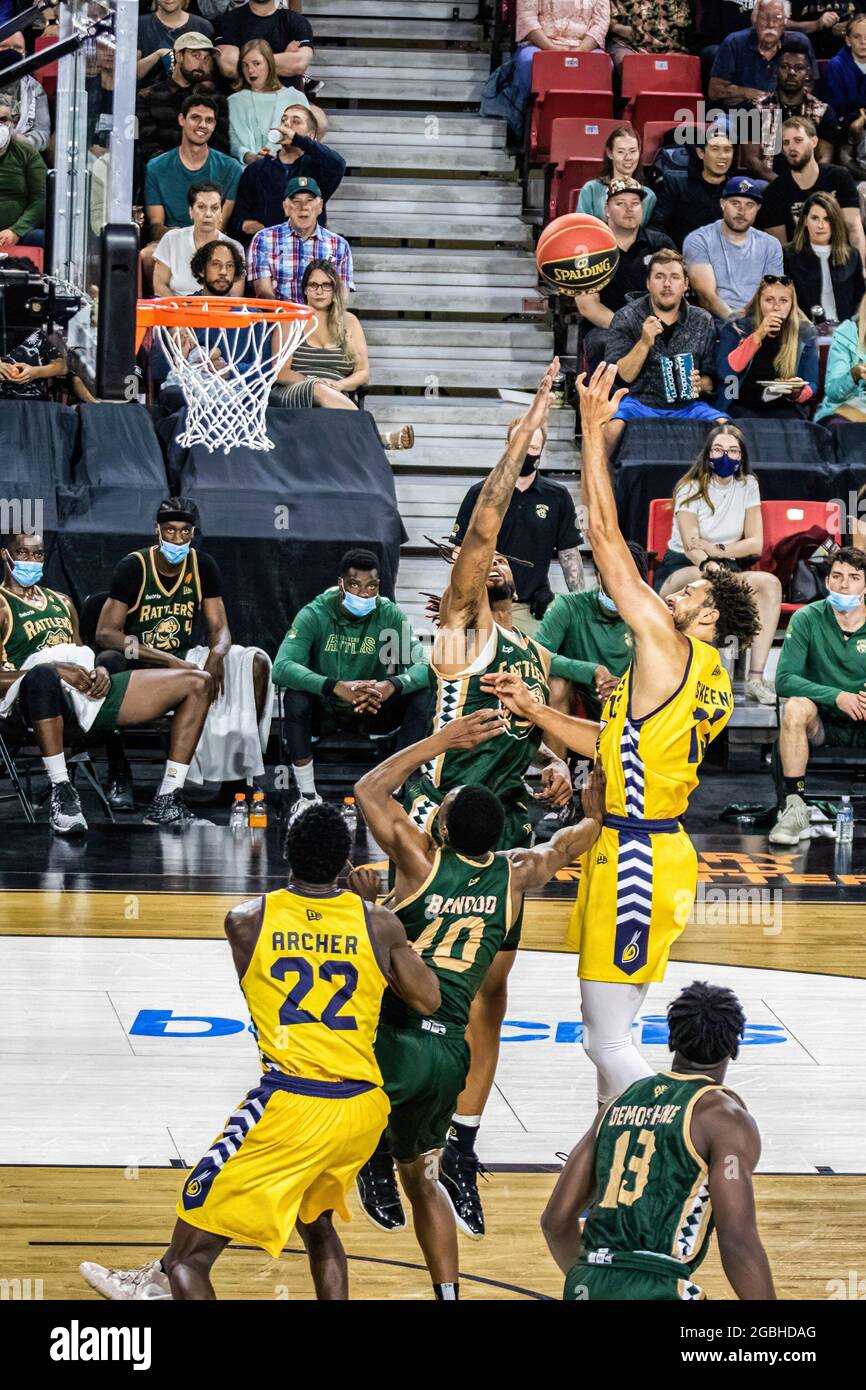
x=638 y=883
x=476 y=637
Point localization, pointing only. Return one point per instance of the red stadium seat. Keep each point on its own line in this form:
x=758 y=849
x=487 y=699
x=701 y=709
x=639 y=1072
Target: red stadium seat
x=659 y=72
x=659 y=526
x=673 y=108
x=576 y=151
x=566 y=84
x=783 y=519
x=47 y=75
x=33 y=253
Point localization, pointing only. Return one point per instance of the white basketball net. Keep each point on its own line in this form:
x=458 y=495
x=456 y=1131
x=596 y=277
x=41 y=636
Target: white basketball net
x=226 y=375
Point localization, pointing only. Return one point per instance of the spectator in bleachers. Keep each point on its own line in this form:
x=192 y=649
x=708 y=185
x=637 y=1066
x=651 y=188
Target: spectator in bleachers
x=590 y=646
x=172 y=273
x=717 y=517
x=727 y=260
x=158 y=107
x=826 y=270
x=331 y=364
x=644 y=26
x=343 y=663
x=256 y=108
x=278 y=256
x=300 y=154
x=217 y=271
x=821 y=675
x=772 y=342
x=34 y=122
x=844 y=80
x=623 y=213
x=845 y=377
x=684 y=204
x=824 y=24
x=22 y=184
x=158 y=31
x=26 y=371
x=790 y=98
x=802 y=176
x=664 y=349
x=621 y=160
x=540 y=522
x=745 y=65
x=169 y=177
x=289 y=34
x=565 y=26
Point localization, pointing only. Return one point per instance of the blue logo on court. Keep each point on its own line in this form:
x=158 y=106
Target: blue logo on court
x=652 y=1031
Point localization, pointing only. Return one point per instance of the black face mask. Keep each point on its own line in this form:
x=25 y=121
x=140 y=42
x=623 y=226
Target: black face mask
x=530 y=463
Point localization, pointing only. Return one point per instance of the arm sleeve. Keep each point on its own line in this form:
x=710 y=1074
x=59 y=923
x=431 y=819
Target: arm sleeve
x=34 y=209
x=152 y=190
x=231 y=178
x=241 y=135
x=328 y=166
x=725 y=63
x=527 y=18
x=706 y=357
x=620 y=340
x=793 y=659
x=259 y=259
x=828 y=126
x=695 y=248
x=599 y=22
x=126 y=580
x=291 y=667
x=807 y=368
x=41 y=132
x=551 y=635
x=839 y=384
x=344 y=265
x=845 y=191
x=246 y=203
x=775 y=263
x=735 y=353
x=211 y=581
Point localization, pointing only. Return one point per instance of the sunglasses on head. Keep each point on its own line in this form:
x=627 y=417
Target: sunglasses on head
x=777 y=280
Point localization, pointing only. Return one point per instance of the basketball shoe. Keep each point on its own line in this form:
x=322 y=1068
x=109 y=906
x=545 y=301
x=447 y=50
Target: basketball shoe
x=127 y=1285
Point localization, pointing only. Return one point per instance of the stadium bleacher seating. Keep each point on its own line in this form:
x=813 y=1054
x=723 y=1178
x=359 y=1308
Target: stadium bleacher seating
x=566 y=84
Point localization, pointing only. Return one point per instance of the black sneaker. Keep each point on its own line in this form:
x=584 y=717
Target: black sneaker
x=458 y=1178
x=172 y=813
x=379 y=1195
x=120 y=795
x=64 y=812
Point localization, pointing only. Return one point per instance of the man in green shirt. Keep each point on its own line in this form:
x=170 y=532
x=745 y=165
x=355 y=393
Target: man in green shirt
x=22 y=184
x=590 y=647
x=351 y=656
x=821 y=675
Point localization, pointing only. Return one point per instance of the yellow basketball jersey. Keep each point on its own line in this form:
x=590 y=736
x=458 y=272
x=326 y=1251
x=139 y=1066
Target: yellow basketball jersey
x=651 y=764
x=314 y=988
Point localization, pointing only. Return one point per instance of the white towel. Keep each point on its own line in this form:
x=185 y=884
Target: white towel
x=85 y=708
x=233 y=739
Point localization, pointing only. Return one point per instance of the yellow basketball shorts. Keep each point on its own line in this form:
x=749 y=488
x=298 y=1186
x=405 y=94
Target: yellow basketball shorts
x=637 y=890
x=284 y=1155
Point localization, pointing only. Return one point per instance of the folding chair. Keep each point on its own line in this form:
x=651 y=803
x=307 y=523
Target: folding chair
x=658 y=72
x=781 y=519
x=576 y=151
x=25 y=762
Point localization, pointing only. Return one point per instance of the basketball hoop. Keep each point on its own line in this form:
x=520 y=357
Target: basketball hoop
x=226 y=354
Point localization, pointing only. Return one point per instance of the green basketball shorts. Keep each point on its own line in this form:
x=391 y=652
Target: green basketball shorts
x=600 y=1284
x=109 y=711
x=423 y=1074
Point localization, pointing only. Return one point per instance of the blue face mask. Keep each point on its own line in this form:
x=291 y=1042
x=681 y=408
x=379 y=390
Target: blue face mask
x=358 y=607
x=174 y=553
x=26 y=573
x=724 y=466
x=607 y=603
x=845 y=603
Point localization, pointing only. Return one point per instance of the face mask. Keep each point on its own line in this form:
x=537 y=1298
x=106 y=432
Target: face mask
x=845 y=603
x=5 y=137
x=725 y=466
x=26 y=573
x=358 y=607
x=174 y=553
x=606 y=603
x=530 y=463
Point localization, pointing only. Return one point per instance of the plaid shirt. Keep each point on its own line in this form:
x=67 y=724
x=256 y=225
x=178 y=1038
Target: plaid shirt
x=773 y=113
x=281 y=254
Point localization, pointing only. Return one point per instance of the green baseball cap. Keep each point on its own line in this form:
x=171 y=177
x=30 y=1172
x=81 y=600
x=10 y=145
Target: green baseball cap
x=302 y=185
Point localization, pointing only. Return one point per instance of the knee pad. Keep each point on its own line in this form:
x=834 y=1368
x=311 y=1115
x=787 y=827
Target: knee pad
x=41 y=693
x=112 y=661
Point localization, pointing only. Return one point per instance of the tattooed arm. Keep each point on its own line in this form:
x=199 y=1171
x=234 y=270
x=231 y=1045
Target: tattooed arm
x=572 y=568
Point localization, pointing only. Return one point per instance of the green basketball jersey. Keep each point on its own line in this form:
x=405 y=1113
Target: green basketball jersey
x=457 y=921
x=500 y=763
x=44 y=621
x=652 y=1194
x=165 y=610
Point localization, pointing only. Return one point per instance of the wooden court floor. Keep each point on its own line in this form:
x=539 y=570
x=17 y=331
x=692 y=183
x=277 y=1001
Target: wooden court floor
x=53 y=1218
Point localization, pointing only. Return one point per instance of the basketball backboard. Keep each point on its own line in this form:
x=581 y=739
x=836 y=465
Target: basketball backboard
x=93 y=241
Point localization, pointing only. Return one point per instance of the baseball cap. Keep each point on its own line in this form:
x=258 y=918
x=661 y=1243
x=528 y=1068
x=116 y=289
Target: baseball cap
x=191 y=41
x=626 y=185
x=745 y=188
x=302 y=185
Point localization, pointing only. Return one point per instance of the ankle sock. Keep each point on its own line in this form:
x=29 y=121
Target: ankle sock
x=305 y=779
x=795 y=786
x=464 y=1132
x=56 y=768
x=447 y=1293
x=173 y=778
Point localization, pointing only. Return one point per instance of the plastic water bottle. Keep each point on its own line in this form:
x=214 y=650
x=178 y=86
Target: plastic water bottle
x=845 y=821
x=350 y=816
x=259 y=812
x=239 y=818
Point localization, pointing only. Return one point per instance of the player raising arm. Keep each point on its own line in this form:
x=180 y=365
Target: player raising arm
x=658 y=1183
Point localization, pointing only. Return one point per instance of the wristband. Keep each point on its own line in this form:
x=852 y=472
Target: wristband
x=329 y=687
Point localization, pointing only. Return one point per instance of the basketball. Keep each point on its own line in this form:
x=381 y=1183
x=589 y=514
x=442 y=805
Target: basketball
x=576 y=253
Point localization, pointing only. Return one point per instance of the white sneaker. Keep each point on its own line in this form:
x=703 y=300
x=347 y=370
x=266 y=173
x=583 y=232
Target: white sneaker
x=758 y=689
x=302 y=803
x=127 y=1285
x=792 y=825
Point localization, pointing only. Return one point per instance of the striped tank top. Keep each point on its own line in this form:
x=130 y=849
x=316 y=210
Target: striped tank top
x=328 y=363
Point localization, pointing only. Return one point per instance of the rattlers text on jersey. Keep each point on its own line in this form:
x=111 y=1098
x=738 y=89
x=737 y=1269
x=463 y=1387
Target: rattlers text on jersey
x=639 y=879
x=164 y=611
x=33 y=624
